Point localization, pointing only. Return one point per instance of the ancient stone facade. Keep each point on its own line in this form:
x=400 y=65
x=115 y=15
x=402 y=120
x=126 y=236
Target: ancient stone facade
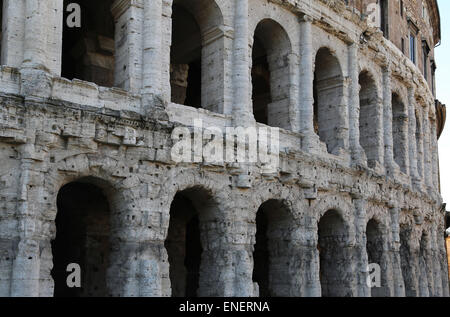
x=87 y=175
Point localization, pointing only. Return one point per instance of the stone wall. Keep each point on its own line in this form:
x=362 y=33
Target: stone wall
x=148 y=226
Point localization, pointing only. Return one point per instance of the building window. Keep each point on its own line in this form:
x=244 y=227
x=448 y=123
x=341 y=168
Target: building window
x=1 y=29
x=401 y=8
x=412 y=48
x=185 y=60
x=83 y=229
x=425 y=53
x=384 y=18
x=272 y=251
x=403 y=45
x=196 y=55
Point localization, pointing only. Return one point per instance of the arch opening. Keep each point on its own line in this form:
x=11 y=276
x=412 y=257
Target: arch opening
x=185 y=58
x=334 y=256
x=399 y=131
x=272 y=250
x=270 y=74
x=193 y=225
x=407 y=262
x=369 y=118
x=197 y=57
x=83 y=238
x=328 y=89
x=88 y=52
x=184 y=247
x=374 y=249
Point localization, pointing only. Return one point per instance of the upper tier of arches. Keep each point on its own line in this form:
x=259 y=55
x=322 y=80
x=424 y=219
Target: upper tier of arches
x=276 y=66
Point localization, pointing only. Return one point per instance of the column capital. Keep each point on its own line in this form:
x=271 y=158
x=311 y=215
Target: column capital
x=387 y=66
x=353 y=47
x=306 y=18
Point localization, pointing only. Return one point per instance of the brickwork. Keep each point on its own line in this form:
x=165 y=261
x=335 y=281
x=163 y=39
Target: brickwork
x=357 y=182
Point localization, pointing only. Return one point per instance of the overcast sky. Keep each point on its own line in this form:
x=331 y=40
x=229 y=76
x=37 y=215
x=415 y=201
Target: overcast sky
x=443 y=94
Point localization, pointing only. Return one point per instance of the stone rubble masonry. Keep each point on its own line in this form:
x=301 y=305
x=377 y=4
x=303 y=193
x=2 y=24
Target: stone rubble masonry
x=54 y=131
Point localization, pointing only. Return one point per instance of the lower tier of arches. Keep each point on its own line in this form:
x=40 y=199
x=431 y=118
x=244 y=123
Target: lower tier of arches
x=198 y=240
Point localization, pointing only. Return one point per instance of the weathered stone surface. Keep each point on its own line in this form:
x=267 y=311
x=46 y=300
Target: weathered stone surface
x=87 y=174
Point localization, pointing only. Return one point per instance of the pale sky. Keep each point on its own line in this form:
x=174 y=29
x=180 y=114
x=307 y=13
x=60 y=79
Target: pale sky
x=443 y=94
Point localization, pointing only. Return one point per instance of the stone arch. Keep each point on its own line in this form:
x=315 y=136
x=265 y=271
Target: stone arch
x=399 y=131
x=341 y=204
x=369 y=117
x=110 y=177
x=88 y=52
x=197 y=54
x=329 y=100
x=209 y=14
x=201 y=205
x=265 y=191
x=273 y=249
x=83 y=236
x=271 y=11
x=132 y=263
x=183 y=178
x=270 y=74
x=191 y=211
x=335 y=256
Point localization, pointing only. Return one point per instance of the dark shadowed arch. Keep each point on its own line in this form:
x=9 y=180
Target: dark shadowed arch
x=399 y=131
x=88 y=52
x=273 y=248
x=192 y=257
x=328 y=99
x=335 y=258
x=82 y=237
x=270 y=74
